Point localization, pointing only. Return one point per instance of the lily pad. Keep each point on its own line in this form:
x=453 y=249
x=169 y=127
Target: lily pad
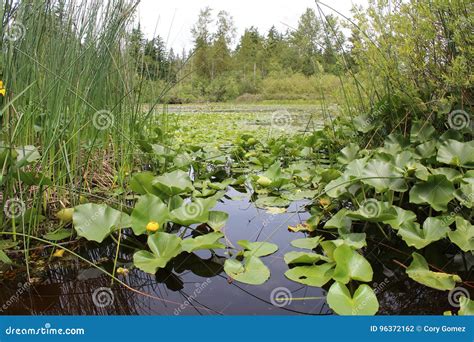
x=351 y=265
x=316 y=275
x=163 y=246
x=217 y=220
x=383 y=176
x=149 y=208
x=193 y=212
x=303 y=258
x=463 y=236
x=173 y=183
x=97 y=221
x=252 y=271
x=420 y=272
x=208 y=241
x=434 y=229
x=307 y=243
x=437 y=191
x=364 y=302
x=456 y=153
x=258 y=249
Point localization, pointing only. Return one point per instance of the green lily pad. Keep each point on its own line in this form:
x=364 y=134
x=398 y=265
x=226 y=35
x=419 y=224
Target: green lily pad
x=348 y=153
x=437 y=191
x=434 y=229
x=217 y=220
x=404 y=218
x=339 y=220
x=373 y=211
x=463 y=236
x=196 y=211
x=149 y=208
x=420 y=272
x=383 y=176
x=307 y=243
x=97 y=221
x=364 y=302
x=303 y=258
x=163 y=246
x=466 y=306
x=315 y=275
x=141 y=183
x=208 y=241
x=252 y=271
x=351 y=265
x=173 y=183
x=456 y=153
x=258 y=249
x=271 y=201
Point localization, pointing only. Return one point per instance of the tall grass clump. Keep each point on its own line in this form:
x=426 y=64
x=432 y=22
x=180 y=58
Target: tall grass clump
x=70 y=114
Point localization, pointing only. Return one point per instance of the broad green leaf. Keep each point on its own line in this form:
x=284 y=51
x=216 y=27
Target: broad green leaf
x=363 y=303
x=208 y=241
x=404 y=218
x=97 y=221
x=217 y=220
x=252 y=271
x=339 y=220
x=141 y=183
x=463 y=236
x=373 y=211
x=149 y=208
x=196 y=211
x=258 y=249
x=437 y=191
x=421 y=132
x=338 y=186
x=348 y=153
x=271 y=201
x=351 y=265
x=307 y=243
x=420 y=272
x=315 y=275
x=303 y=258
x=173 y=183
x=434 y=229
x=163 y=246
x=456 y=153
x=466 y=306
x=58 y=235
x=383 y=177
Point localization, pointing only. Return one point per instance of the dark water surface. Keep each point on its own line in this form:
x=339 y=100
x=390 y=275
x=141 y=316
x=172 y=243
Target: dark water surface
x=197 y=284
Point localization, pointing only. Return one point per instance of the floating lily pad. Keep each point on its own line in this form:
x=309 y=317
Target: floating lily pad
x=163 y=246
x=208 y=241
x=363 y=303
x=303 y=258
x=217 y=220
x=316 y=275
x=97 y=221
x=173 y=183
x=149 y=208
x=252 y=271
x=307 y=243
x=351 y=265
x=434 y=229
x=437 y=191
x=258 y=249
x=456 y=153
x=420 y=272
x=463 y=236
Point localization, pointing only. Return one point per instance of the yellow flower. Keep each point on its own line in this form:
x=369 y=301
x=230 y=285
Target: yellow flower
x=152 y=226
x=2 y=89
x=122 y=271
x=59 y=253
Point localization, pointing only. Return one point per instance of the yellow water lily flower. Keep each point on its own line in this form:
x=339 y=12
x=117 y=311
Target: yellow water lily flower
x=152 y=226
x=122 y=271
x=59 y=253
x=2 y=89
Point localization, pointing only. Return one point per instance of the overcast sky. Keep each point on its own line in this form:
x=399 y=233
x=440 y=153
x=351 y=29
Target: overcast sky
x=173 y=19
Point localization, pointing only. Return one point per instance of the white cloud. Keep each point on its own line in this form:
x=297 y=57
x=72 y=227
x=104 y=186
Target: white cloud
x=173 y=20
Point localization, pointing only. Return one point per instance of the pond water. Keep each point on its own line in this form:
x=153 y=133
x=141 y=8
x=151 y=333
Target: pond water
x=197 y=284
